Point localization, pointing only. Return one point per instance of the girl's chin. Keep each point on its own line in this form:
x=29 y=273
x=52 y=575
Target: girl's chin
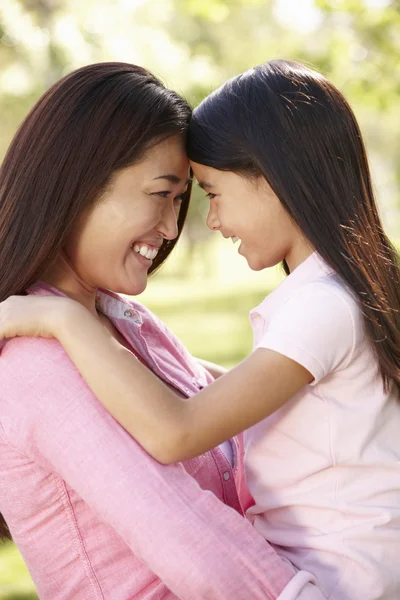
x=254 y=264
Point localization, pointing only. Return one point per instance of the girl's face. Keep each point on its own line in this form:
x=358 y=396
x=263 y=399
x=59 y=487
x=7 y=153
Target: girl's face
x=114 y=245
x=249 y=212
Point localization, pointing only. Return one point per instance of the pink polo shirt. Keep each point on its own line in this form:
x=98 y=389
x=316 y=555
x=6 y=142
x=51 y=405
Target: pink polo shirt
x=94 y=516
x=324 y=470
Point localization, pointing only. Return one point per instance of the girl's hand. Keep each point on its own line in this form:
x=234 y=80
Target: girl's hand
x=35 y=316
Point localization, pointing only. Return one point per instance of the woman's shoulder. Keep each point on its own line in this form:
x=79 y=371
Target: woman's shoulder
x=40 y=385
x=27 y=361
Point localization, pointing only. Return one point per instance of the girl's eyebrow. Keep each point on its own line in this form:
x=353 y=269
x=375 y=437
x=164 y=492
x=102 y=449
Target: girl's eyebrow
x=205 y=184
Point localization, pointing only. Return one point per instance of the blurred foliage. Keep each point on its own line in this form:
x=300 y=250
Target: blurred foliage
x=194 y=46
x=15 y=582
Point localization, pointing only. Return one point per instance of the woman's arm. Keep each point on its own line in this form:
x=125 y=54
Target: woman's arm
x=170 y=428
x=198 y=547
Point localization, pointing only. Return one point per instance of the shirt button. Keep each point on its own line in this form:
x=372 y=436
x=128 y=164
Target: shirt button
x=128 y=313
x=187 y=391
x=226 y=476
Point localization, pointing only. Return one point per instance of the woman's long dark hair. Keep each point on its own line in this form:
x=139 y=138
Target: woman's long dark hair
x=289 y=124
x=94 y=121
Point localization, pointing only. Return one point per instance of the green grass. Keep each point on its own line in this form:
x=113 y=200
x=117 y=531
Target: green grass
x=215 y=327
x=15 y=582
x=209 y=314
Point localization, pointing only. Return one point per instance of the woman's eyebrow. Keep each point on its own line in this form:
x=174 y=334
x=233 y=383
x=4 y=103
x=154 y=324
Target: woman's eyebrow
x=173 y=178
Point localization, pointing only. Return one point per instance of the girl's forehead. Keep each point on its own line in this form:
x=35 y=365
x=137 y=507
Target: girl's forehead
x=208 y=177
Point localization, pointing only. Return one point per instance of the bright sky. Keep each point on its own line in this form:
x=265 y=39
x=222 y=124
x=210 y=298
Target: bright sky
x=304 y=16
x=301 y=15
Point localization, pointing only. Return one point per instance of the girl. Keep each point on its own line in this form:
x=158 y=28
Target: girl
x=281 y=157
x=93 y=194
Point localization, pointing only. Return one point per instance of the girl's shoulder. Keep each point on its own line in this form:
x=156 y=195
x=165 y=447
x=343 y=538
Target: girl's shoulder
x=319 y=325
x=329 y=296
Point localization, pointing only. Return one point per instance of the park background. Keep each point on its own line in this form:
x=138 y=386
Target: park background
x=205 y=290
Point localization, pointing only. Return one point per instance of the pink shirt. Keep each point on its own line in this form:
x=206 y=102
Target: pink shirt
x=324 y=470
x=94 y=516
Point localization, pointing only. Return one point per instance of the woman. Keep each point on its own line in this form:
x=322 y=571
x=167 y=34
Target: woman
x=280 y=154
x=93 y=194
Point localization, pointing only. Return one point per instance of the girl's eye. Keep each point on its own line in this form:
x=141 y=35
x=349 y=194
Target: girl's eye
x=210 y=196
x=178 y=203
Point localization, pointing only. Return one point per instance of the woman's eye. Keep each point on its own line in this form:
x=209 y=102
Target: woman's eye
x=166 y=194
x=163 y=194
x=210 y=196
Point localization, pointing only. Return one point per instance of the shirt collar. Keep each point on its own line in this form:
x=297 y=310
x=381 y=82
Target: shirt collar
x=309 y=270
x=110 y=304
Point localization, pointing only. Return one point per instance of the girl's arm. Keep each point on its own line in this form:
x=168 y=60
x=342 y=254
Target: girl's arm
x=170 y=428
x=214 y=369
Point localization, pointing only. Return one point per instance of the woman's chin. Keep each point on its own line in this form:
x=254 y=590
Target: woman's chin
x=136 y=289
x=131 y=288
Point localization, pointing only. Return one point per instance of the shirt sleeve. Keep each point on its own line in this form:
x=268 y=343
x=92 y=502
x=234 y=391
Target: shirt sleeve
x=199 y=547
x=317 y=328
x=301 y=587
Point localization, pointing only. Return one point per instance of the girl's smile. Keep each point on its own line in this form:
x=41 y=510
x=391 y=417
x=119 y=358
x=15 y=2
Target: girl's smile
x=248 y=211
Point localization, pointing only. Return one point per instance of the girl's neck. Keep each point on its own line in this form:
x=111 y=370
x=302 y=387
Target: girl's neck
x=298 y=254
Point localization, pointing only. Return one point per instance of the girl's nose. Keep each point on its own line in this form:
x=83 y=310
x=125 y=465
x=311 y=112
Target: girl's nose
x=212 y=220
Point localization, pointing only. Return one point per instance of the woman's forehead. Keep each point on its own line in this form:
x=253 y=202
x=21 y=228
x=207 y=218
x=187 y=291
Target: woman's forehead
x=167 y=158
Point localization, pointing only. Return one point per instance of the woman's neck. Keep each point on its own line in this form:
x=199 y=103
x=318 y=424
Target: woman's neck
x=62 y=276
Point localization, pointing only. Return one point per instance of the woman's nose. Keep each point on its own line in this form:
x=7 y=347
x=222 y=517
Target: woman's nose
x=168 y=226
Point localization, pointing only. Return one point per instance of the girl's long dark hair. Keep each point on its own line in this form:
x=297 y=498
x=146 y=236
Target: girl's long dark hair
x=289 y=124
x=94 y=121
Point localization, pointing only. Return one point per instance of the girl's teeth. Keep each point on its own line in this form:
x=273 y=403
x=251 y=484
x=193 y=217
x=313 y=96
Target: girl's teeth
x=234 y=239
x=143 y=250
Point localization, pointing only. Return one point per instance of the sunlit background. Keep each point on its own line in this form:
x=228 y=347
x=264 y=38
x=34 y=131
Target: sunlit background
x=205 y=291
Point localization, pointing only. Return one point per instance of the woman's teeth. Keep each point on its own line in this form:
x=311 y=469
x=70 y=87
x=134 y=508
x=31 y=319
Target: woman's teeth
x=145 y=251
x=234 y=239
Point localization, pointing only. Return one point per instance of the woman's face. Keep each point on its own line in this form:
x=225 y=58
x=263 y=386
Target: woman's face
x=249 y=212
x=114 y=245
